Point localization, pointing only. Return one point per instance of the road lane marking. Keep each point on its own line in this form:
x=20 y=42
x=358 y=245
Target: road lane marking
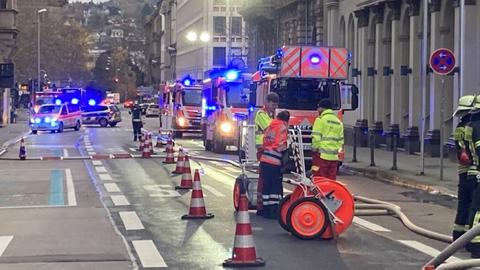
x=213 y=190
x=111 y=187
x=65 y=153
x=55 y=196
x=369 y=225
x=97 y=162
x=133 y=149
x=91 y=153
x=100 y=169
x=72 y=199
x=119 y=200
x=131 y=221
x=105 y=177
x=426 y=249
x=4 y=242
x=148 y=254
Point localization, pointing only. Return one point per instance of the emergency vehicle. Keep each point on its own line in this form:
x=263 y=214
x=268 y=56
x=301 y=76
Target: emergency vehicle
x=44 y=97
x=183 y=100
x=224 y=106
x=302 y=76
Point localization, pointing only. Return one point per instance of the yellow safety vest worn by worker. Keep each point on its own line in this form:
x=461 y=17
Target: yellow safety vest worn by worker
x=327 y=135
x=262 y=121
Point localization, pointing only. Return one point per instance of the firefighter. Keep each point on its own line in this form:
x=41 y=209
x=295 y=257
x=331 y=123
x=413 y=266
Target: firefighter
x=137 y=124
x=466 y=186
x=274 y=144
x=327 y=141
x=472 y=136
x=263 y=118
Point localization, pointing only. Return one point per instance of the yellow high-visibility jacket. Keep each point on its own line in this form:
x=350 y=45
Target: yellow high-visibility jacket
x=262 y=121
x=327 y=135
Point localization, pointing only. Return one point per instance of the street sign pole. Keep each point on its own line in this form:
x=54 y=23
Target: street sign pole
x=424 y=85
x=442 y=128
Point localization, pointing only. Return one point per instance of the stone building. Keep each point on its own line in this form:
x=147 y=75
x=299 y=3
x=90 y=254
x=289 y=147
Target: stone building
x=385 y=39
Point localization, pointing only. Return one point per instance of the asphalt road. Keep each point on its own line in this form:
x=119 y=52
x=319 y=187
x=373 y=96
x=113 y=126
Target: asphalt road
x=127 y=213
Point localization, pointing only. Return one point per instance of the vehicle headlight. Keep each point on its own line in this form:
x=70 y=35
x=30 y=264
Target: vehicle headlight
x=47 y=119
x=182 y=121
x=38 y=120
x=226 y=127
x=32 y=120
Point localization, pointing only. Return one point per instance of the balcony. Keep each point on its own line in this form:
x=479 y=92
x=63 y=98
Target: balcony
x=257 y=9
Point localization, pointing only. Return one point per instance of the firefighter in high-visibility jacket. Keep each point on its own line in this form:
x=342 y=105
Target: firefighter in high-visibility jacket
x=472 y=136
x=263 y=118
x=274 y=144
x=137 y=123
x=327 y=141
x=466 y=185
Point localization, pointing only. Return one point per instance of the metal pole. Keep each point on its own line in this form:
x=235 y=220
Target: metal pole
x=394 y=142
x=462 y=45
x=372 y=148
x=354 y=159
x=442 y=127
x=38 y=52
x=423 y=76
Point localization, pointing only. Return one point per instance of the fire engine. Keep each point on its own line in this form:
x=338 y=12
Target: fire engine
x=302 y=76
x=185 y=100
x=224 y=105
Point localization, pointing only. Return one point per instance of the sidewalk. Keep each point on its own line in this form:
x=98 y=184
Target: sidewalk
x=13 y=132
x=407 y=174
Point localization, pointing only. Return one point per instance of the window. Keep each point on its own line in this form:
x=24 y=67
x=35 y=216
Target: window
x=236 y=26
x=3 y=4
x=219 y=26
x=73 y=108
x=192 y=98
x=219 y=58
x=64 y=111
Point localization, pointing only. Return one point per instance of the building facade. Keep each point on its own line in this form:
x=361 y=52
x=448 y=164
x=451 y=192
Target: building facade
x=385 y=39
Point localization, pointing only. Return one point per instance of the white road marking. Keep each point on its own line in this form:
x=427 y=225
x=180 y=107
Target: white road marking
x=4 y=242
x=369 y=225
x=65 y=153
x=89 y=148
x=100 y=169
x=148 y=254
x=105 y=177
x=133 y=149
x=96 y=162
x=91 y=153
x=213 y=190
x=111 y=187
x=131 y=221
x=72 y=199
x=426 y=249
x=119 y=200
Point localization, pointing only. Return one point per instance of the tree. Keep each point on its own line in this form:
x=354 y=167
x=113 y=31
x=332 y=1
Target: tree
x=64 y=50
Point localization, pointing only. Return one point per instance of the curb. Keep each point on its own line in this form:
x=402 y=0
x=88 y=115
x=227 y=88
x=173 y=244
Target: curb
x=397 y=180
x=7 y=144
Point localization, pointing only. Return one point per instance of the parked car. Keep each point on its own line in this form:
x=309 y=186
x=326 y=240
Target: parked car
x=143 y=107
x=51 y=117
x=128 y=104
x=102 y=115
x=153 y=110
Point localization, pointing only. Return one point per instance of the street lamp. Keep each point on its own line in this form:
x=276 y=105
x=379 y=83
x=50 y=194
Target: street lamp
x=39 y=12
x=194 y=38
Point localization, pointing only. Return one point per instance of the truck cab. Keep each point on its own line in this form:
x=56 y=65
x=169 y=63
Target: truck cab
x=225 y=98
x=186 y=100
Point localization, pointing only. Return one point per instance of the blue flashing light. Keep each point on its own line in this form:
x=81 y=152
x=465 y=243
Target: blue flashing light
x=315 y=59
x=251 y=109
x=232 y=75
x=92 y=102
x=58 y=102
x=74 y=101
x=187 y=82
x=204 y=107
x=38 y=120
x=47 y=119
x=279 y=53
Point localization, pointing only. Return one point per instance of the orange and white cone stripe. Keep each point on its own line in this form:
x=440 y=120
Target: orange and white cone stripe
x=170 y=158
x=146 y=153
x=244 y=252
x=186 y=182
x=180 y=162
x=197 y=204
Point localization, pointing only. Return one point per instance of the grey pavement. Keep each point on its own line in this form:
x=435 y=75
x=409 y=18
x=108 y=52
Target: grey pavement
x=408 y=170
x=9 y=134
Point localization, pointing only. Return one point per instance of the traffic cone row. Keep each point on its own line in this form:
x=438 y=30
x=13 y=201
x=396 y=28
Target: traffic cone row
x=197 y=204
x=180 y=162
x=170 y=158
x=186 y=182
x=244 y=253
x=23 y=151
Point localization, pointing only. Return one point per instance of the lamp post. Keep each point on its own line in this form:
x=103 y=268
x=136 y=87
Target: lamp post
x=39 y=12
x=194 y=38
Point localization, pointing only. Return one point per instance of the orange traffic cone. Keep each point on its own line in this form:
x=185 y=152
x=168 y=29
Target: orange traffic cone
x=23 y=151
x=186 y=182
x=197 y=204
x=142 y=142
x=244 y=253
x=170 y=158
x=146 y=153
x=180 y=162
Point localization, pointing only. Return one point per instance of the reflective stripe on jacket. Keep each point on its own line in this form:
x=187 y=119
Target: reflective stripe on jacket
x=262 y=121
x=327 y=135
x=275 y=142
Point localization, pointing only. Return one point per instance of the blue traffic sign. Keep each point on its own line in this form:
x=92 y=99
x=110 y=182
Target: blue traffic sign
x=442 y=61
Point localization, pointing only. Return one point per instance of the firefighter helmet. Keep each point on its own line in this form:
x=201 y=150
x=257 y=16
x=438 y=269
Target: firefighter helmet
x=467 y=103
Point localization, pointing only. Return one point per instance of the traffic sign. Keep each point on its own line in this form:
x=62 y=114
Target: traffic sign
x=442 y=61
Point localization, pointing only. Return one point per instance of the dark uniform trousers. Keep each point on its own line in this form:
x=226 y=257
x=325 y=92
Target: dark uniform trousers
x=272 y=190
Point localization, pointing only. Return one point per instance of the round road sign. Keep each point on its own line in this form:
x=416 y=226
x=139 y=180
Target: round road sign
x=442 y=61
